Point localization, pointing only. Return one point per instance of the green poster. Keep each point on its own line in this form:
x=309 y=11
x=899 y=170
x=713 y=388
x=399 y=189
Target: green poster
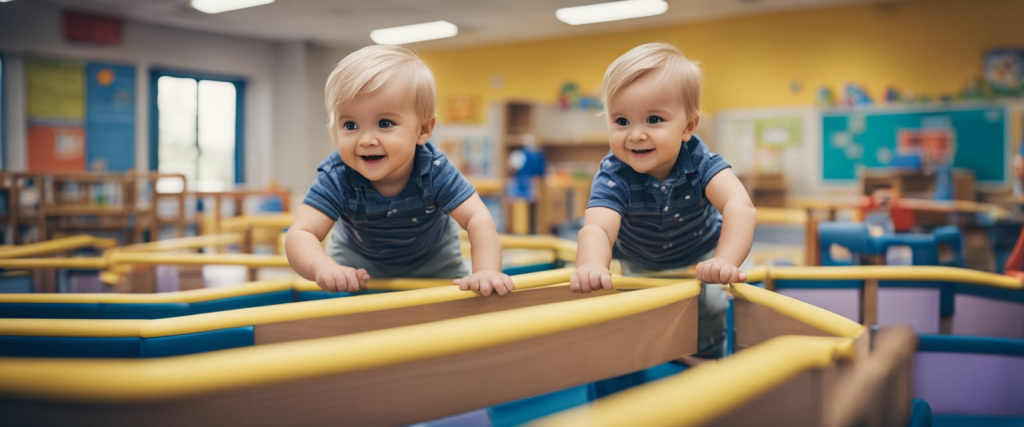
x=56 y=90
x=778 y=132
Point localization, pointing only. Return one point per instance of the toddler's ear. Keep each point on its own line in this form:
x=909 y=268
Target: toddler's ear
x=690 y=128
x=425 y=130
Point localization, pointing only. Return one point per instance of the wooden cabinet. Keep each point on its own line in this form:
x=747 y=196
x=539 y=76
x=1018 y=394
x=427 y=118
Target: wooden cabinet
x=573 y=142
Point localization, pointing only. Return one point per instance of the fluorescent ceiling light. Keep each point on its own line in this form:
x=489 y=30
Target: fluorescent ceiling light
x=414 y=33
x=613 y=11
x=218 y=6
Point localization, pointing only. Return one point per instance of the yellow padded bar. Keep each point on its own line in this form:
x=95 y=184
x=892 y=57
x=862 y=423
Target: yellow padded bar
x=817 y=317
x=167 y=378
x=912 y=273
x=195 y=295
x=261 y=315
x=240 y=223
x=97 y=328
x=208 y=294
x=56 y=246
x=194 y=242
x=85 y=263
x=781 y=216
x=749 y=374
x=757 y=274
x=247 y=260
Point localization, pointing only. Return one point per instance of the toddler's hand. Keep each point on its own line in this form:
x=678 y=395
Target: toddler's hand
x=717 y=270
x=486 y=282
x=338 y=278
x=590 y=277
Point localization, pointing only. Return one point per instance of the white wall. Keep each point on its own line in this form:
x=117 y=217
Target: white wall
x=33 y=28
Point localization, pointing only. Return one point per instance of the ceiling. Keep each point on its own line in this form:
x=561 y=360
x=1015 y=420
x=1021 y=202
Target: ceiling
x=347 y=23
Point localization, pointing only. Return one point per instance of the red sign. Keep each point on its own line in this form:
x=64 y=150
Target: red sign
x=83 y=27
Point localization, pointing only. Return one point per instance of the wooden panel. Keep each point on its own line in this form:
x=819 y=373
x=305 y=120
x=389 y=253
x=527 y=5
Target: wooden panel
x=796 y=403
x=381 y=319
x=755 y=324
x=411 y=392
x=877 y=391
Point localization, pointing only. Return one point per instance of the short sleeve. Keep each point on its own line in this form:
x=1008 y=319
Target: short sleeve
x=609 y=190
x=708 y=164
x=326 y=194
x=450 y=187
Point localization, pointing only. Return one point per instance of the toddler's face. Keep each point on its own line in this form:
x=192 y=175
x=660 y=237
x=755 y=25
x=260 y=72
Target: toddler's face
x=647 y=125
x=378 y=133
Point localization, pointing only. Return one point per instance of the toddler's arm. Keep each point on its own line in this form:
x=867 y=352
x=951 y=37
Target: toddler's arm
x=594 y=250
x=473 y=216
x=739 y=218
x=307 y=257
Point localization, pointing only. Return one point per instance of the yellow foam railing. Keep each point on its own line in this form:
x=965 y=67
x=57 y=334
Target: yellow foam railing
x=751 y=373
x=146 y=380
x=817 y=317
x=240 y=223
x=181 y=243
x=432 y=291
x=54 y=246
x=910 y=273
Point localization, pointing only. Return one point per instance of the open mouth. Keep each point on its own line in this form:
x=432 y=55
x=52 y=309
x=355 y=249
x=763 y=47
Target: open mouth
x=648 y=150
x=372 y=158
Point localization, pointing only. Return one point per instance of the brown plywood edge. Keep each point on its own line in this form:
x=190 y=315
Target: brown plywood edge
x=878 y=390
x=412 y=392
x=795 y=403
x=754 y=324
x=382 y=319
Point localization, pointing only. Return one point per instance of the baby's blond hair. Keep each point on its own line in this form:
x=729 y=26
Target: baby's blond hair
x=369 y=69
x=661 y=58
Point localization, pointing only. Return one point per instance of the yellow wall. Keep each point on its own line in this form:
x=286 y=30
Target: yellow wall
x=926 y=46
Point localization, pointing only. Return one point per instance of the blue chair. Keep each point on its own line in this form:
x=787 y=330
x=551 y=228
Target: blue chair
x=923 y=246
x=951 y=237
x=853 y=236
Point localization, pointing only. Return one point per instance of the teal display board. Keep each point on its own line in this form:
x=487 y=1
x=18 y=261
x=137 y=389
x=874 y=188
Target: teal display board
x=868 y=138
x=110 y=117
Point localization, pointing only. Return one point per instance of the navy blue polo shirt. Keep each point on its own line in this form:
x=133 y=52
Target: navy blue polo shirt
x=665 y=225
x=400 y=229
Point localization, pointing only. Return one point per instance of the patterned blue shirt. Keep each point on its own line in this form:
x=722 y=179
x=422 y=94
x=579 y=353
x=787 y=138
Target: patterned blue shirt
x=398 y=230
x=665 y=225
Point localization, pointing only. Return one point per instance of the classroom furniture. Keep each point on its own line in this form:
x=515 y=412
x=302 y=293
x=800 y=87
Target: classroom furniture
x=517 y=332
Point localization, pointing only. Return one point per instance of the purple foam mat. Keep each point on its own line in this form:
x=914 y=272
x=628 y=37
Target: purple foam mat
x=167 y=278
x=843 y=302
x=896 y=306
x=988 y=318
x=85 y=283
x=970 y=384
x=916 y=307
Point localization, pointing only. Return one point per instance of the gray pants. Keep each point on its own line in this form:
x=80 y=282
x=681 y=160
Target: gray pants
x=711 y=308
x=444 y=261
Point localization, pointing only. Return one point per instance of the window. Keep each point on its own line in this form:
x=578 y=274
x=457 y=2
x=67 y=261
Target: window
x=196 y=130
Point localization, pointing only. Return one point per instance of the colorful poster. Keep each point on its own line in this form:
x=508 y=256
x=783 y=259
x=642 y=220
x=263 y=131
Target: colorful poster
x=110 y=117
x=56 y=90
x=56 y=111
x=55 y=148
x=1004 y=71
x=779 y=132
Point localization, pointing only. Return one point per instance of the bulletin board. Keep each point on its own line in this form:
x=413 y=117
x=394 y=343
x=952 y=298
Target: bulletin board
x=110 y=117
x=56 y=114
x=868 y=138
x=81 y=116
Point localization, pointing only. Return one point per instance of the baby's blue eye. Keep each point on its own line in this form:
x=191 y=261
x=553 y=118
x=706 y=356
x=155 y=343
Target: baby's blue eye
x=654 y=120
x=385 y=123
x=350 y=125
x=621 y=121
